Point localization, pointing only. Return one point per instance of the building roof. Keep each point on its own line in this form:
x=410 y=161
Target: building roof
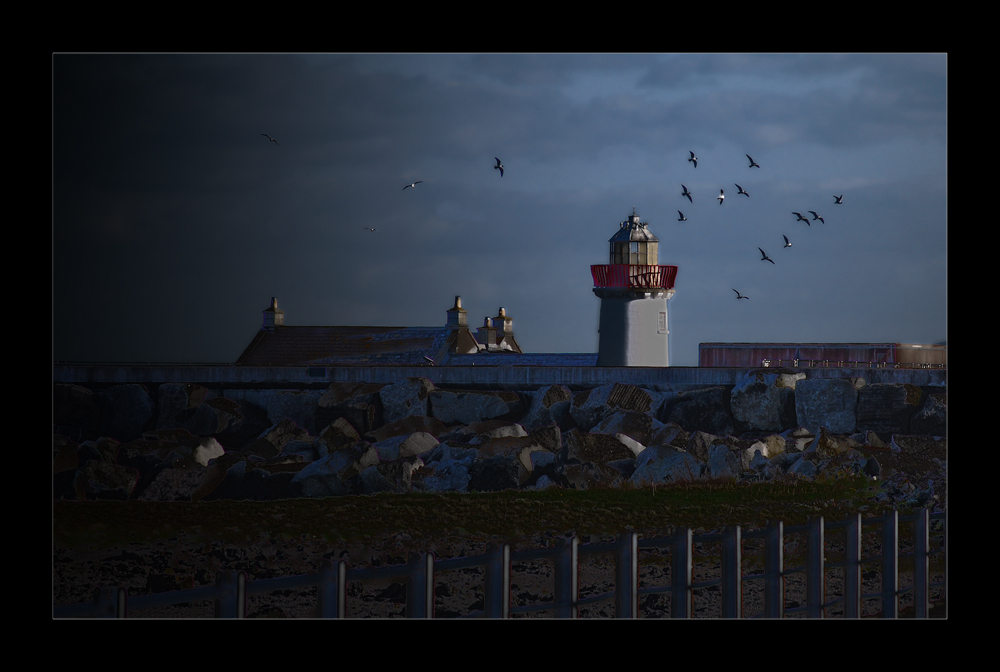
x=318 y=346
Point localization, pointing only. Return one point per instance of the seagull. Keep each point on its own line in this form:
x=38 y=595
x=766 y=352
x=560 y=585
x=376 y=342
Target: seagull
x=721 y=196
x=839 y=200
x=815 y=216
x=787 y=244
x=682 y=217
x=741 y=191
x=694 y=159
x=270 y=138
x=371 y=229
x=687 y=193
x=801 y=218
x=412 y=185
x=740 y=296
x=764 y=257
x=499 y=166
x=753 y=164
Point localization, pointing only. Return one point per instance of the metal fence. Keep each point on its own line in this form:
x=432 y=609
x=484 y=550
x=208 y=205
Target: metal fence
x=231 y=588
x=849 y=364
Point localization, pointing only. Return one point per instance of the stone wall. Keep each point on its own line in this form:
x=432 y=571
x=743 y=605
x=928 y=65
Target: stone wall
x=189 y=441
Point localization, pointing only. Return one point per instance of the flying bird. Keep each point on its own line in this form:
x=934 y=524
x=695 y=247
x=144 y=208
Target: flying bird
x=741 y=191
x=740 y=296
x=682 y=217
x=270 y=138
x=764 y=257
x=687 y=193
x=412 y=185
x=694 y=159
x=839 y=200
x=753 y=164
x=499 y=166
x=787 y=244
x=371 y=229
x=815 y=216
x=801 y=218
x=721 y=196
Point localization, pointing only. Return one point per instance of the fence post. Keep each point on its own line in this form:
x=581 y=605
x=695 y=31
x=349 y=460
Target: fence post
x=231 y=598
x=497 y=598
x=567 y=577
x=627 y=576
x=890 y=564
x=732 y=573
x=332 y=593
x=109 y=602
x=420 y=586
x=815 y=570
x=852 y=567
x=681 y=593
x=921 y=569
x=774 y=568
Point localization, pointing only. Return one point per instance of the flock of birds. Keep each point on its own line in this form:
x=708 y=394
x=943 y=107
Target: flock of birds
x=685 y=193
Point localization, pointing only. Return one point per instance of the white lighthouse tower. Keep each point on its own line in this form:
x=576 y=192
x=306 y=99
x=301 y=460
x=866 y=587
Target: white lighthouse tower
x=634 y=291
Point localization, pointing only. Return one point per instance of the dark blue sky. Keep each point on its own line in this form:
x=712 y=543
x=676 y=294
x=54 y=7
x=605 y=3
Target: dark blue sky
x=175 y=221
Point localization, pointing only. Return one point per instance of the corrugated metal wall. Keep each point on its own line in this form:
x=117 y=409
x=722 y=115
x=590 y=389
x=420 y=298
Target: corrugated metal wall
x=753 y=354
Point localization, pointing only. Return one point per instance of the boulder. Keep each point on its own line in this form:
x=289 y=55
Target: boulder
x=887 y=408
x=705 y=410
x=126 y=410
x=588 y=475
x=547 y=436
x=176 y=484
x=764 y=399
x=699 y=444
x=407 y=425
x=595 y=448
x=405 y=398
x=358 y=403
x=465 y=407
x=446 y=469
x=98 y=479
x=494 y=429
x=803 y=467
x=328 y=475
x=590 y=407
x=664 y=464
x=494 y=474
x=723 y=463
x=207 y=450
x=76 y=412
x=932 y=418
x=826 y=444
x=273 y=439
x=337 y=435
x=550 y=405
x=828 y=402
x=175 y=403
x=637 y=426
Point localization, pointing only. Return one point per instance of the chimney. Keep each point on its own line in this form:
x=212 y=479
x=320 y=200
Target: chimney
x=273 y=316
x=504 y=326
x=457 y=316
x=487 y=335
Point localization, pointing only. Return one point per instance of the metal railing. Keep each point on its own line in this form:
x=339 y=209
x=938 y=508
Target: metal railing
x=640 y=276
x=231 y=588
x=849 y=364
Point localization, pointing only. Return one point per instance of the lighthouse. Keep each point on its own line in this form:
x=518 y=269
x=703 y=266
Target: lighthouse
x=634 y=290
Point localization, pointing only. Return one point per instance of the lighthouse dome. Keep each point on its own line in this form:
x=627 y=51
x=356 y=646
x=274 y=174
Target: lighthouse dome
x=634 y=243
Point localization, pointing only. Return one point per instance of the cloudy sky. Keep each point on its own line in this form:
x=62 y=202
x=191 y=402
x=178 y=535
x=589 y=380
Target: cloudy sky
x=175 y=220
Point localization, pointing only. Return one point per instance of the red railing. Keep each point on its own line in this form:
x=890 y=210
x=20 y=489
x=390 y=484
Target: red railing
x=634 y=275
